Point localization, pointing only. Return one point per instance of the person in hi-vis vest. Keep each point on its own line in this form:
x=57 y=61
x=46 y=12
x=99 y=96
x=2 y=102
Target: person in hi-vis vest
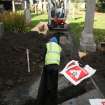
x=47 y=94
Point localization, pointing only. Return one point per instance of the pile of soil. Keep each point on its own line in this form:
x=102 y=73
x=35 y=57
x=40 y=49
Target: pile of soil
x=97 y=61
x=13 y=59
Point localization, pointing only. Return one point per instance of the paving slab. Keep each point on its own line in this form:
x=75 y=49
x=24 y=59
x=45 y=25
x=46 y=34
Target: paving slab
x=84 y=99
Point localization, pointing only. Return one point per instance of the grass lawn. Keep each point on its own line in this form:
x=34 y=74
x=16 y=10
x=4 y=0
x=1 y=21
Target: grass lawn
x=99 y=27
x=77 y=24
x=39 y=18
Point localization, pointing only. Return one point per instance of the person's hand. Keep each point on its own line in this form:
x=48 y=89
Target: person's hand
x=41 y=28
x=63 y=40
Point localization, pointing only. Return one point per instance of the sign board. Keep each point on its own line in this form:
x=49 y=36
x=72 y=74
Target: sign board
x=97 y=101
x=76 y=74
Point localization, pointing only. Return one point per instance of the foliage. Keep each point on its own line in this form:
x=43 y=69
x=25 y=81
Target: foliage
x=13 y=22
x=100 y=5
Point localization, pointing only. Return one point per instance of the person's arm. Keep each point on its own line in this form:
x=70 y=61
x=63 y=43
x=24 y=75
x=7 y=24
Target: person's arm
x=43 y=52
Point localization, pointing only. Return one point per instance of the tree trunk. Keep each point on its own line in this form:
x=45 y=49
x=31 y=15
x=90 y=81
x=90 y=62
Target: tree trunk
x=87 y=39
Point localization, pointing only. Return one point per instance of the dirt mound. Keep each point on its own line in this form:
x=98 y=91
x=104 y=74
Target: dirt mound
x=97 y=61
x=13 y=61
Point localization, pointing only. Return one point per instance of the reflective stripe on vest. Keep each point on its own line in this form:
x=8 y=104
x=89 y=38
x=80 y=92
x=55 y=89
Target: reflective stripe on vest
x=53 y=53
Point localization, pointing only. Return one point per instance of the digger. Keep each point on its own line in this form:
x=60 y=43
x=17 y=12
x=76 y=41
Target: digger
x=57 y=14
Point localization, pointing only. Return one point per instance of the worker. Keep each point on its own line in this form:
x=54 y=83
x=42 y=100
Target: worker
x=47 y=94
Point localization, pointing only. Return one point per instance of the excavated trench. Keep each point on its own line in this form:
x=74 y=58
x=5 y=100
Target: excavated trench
x=17 y=85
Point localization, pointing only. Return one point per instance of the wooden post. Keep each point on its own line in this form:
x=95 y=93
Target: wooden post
x=13 y=5
x=28 y=60
x=25 y=4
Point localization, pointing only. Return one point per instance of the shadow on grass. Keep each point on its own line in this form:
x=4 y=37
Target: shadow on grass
x=77 y=18
x=34 y=15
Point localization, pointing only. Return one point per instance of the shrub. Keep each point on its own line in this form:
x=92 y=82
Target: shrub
x=13 y=22
x=100 y=5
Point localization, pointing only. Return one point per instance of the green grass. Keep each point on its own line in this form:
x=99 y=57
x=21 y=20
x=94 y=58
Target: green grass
x=99 y=27
x=77 y=24
x=38 y=18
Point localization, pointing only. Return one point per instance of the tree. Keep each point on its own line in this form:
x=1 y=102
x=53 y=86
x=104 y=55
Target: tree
x=87 y=42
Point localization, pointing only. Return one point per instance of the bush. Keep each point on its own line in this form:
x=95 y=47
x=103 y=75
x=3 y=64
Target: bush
x=100 y=5
x=13 y=22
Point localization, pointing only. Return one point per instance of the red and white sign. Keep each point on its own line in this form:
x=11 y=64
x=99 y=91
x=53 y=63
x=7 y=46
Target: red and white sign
x=75 y=74
x=97 y=101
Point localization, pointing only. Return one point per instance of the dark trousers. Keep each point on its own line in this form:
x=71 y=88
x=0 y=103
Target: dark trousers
x=47 y=94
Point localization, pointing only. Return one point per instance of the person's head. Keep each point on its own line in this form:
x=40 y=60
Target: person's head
x=53 y=39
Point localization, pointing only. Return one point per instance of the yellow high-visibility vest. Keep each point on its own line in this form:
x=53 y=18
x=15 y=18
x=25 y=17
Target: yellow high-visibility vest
x=53 y=53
